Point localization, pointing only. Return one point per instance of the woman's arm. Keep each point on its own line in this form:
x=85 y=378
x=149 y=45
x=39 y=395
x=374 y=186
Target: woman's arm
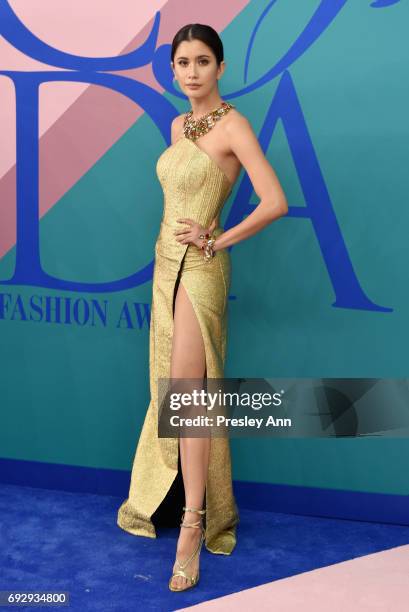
x=273 y=203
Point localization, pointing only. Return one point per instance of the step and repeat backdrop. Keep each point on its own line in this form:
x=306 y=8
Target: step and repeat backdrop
x=87 y=99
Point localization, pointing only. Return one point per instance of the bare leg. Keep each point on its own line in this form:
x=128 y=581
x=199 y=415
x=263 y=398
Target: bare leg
x=189 y=361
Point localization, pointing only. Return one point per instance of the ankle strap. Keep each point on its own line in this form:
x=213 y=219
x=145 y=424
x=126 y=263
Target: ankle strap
x=197 y=525
x=194 y=510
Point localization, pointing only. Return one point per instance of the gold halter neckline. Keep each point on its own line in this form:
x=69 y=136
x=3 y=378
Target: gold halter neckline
x=194 y=128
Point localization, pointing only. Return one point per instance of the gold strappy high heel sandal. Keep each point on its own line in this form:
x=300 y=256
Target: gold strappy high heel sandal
x=182 y=566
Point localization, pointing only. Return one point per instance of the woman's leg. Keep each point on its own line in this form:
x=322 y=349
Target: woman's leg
x=189 y=361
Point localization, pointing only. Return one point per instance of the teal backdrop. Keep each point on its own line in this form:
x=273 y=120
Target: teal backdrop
x=77 y=394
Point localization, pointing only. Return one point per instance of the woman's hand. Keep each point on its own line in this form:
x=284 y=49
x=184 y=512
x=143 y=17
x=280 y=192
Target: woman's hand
x=190 y=234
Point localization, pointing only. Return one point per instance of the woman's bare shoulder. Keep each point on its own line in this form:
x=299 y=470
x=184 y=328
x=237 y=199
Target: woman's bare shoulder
x=235 y=119
x=177 y=127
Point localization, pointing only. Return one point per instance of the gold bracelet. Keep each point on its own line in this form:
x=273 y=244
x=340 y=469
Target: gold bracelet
x=209 y=252
x=207 y=246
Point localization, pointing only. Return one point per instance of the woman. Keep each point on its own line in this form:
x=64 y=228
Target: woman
x=190 y=288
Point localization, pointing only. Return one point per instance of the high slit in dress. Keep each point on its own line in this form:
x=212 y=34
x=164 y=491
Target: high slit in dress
x=193 y=187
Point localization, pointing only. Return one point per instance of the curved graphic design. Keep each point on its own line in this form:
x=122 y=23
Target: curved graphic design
x=77 y=69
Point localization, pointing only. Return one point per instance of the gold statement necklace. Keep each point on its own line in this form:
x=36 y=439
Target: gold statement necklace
x=194 y=128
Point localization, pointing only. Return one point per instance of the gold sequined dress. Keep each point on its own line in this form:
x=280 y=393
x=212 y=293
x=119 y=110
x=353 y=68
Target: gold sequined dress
x=194 y=187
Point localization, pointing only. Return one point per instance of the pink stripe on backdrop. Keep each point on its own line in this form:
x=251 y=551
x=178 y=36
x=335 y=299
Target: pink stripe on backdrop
x=373 y=582
x=99 y=31
x=78 y=112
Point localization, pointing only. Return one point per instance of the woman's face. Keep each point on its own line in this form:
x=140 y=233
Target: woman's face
x=195 y=63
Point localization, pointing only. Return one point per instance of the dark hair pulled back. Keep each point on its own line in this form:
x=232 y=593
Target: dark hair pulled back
x=199 y=31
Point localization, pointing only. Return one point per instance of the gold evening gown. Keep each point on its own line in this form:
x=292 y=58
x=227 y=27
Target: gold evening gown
x=194 y=187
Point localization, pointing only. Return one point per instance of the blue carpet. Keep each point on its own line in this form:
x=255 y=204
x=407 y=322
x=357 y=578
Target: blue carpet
x=62 y=541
